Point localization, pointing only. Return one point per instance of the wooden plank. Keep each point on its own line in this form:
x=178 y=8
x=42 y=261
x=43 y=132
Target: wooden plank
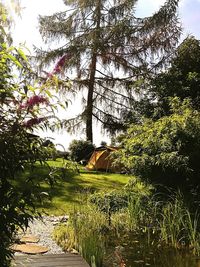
x=50 y=260
x=54 y=261
x=53 y=264
x=49 y=256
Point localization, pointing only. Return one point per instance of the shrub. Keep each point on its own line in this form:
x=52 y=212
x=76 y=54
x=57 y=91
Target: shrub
x=81 y=150
x=110 y=202
x=116 y=200
x=166 y=151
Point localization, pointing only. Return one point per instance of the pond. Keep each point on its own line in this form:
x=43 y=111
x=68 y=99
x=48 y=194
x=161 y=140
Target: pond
x=138 y=251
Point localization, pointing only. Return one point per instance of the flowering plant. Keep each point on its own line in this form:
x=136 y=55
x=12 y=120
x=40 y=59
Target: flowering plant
x=19 y=112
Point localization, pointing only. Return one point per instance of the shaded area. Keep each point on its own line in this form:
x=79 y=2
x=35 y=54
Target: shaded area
x=137 y=250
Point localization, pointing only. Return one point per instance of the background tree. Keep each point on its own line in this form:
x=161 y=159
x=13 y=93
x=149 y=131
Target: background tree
x=182 y=79
x=107 y=48
x=103 y=143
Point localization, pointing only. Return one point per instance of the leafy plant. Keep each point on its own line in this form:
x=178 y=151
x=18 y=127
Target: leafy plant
x=110 y=202
x=165 y=151
x=182 y=79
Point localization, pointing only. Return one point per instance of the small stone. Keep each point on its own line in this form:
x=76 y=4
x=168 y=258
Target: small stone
x=29 y=239
x=29 y=248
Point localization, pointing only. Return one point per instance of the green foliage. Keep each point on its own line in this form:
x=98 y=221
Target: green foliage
x=178 y=226
x=116 y=200
x=148 y=222
x=165 y=151
x=17 y=203
x=81 y=150
x=182 y=79
x=110 y=202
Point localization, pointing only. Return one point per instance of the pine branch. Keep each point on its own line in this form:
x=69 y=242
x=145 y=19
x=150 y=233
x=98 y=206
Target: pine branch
x=111 y=100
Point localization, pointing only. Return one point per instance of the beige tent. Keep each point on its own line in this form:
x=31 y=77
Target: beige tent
x=101 y=160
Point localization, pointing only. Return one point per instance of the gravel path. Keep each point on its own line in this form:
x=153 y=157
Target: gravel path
x=43 y=230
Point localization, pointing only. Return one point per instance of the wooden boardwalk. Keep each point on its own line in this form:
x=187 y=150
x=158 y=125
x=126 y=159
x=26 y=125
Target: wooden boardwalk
x=50 y=260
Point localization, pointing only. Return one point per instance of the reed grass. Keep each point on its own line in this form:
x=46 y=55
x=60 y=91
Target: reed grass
x=85 y=233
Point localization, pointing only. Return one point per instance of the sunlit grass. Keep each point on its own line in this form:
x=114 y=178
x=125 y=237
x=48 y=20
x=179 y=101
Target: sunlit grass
x=73 y=188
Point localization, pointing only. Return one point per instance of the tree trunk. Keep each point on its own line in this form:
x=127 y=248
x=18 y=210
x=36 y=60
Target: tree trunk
x=89 y=108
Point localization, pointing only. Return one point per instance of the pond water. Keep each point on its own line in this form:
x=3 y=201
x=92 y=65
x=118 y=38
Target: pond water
x=131 y=251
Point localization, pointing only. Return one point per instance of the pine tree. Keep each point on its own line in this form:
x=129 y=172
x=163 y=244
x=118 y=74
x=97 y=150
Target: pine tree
x=106 y=48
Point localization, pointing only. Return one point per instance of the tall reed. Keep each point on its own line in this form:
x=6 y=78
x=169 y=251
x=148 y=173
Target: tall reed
x=85 y=233
x=178 y=227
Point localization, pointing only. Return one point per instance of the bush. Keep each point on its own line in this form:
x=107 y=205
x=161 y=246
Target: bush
x=81 y=150
x=166 y=151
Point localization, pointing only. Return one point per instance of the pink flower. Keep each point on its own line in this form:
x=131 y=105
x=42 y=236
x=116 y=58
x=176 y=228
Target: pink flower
x=58 y=67
x=61 y=62
x=34 y=100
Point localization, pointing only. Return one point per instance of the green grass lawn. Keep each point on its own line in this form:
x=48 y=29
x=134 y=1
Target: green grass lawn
x=73 y=189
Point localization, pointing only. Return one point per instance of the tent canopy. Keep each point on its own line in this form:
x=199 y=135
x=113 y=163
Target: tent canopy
x=101 y=160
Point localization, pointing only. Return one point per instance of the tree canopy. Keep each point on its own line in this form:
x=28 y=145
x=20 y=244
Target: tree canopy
x=105 y=48
x=181 y=79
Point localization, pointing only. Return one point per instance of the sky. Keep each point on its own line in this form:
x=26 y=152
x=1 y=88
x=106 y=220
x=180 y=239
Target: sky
x=26 y=27
x=26 y=31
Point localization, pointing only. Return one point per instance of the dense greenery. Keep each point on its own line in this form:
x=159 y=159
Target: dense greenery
x=165 y=151
x=80 y=150
x=179 y=79
x=161 y=145
x=107 y=48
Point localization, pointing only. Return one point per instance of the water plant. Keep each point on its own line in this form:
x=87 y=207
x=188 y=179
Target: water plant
x=85 y=233
x=178 y=226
